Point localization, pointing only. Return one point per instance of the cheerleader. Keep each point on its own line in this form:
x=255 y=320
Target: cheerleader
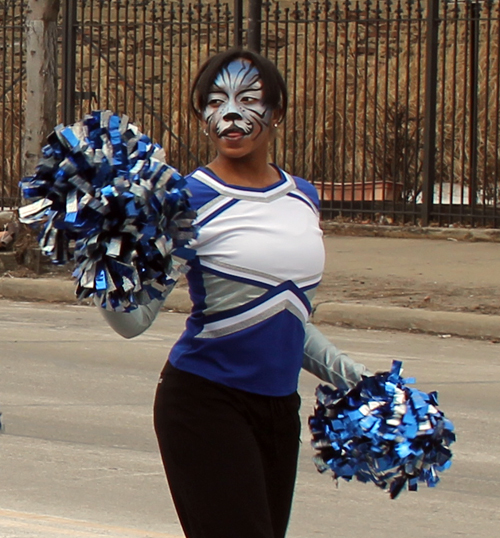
x=226 y=412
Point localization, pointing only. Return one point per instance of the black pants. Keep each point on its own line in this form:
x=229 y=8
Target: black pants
x=230 y=456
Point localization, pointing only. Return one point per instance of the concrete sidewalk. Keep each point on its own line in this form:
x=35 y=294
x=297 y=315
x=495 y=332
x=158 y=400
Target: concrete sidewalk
x=358 y=272
x=451 y=277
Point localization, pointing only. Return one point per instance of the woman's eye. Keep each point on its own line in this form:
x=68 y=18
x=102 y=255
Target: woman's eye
x=215 y=102
x=248 y=99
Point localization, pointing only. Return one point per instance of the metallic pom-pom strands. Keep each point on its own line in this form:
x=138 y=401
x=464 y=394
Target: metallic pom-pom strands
x=106 y=186
x=381 y=431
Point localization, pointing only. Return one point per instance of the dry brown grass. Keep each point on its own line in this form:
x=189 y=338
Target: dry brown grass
x=356 y=85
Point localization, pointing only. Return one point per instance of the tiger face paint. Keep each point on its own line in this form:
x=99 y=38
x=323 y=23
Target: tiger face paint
x=235 y=106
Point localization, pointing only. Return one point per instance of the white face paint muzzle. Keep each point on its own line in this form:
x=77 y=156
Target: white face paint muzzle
x=235 y=102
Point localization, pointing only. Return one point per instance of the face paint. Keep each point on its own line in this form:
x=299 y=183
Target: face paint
x=235 y=103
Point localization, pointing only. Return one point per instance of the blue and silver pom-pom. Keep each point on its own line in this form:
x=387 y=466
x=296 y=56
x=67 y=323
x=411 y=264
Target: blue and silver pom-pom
x=381 y=431
x=106 y=186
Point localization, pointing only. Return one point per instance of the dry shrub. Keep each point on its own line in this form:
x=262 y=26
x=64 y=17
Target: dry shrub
x=357 y=108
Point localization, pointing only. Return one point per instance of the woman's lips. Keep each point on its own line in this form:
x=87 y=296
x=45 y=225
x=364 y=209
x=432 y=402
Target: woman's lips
x=232 y=134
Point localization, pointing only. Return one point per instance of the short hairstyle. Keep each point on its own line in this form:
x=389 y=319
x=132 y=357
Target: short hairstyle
x=275 y=91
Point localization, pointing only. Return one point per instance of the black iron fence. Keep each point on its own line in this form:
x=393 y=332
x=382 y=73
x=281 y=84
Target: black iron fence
x=394 y=106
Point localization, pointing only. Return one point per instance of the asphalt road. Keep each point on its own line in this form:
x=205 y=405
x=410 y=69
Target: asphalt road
x=78 y=456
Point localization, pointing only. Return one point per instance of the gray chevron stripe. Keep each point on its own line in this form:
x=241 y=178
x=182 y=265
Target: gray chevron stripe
x=203 y=209
x=224 y=294
x=244 y=270
x=260 y=274
x=261 y=316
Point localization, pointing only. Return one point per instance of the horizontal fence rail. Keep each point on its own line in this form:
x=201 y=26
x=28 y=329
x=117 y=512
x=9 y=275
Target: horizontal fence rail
x=356 y=72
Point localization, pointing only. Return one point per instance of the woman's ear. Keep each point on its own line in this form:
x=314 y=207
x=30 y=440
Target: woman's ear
x=277 y=117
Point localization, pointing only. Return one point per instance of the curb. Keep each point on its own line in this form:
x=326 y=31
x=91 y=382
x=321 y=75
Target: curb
x=463 y=324
x=48 y=290
x=471 y=235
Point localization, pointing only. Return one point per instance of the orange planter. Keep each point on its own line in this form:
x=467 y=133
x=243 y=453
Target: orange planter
x=357 y=192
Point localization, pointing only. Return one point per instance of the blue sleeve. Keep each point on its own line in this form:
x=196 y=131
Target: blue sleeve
x=201 y=194
x=308 y=189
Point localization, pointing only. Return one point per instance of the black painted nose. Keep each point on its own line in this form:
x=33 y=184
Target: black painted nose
x=232 y=116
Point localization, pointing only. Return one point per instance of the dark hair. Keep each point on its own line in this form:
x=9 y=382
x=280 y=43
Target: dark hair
x=275 y=92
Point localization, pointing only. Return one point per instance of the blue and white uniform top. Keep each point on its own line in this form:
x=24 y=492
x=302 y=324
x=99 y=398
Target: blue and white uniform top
x=259 y=258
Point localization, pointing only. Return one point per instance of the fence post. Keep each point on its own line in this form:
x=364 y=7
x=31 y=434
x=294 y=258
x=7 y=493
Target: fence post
x=41 y=79
x=254 y=23
x=238 y=23
x=68 y=62
x=474 y=14
x=429 y=165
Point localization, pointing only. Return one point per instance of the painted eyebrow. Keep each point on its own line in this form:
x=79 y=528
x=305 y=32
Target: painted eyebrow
x=250 y=86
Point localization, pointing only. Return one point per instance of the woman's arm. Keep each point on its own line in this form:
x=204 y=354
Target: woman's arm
x=325 y=361
x=136 y=321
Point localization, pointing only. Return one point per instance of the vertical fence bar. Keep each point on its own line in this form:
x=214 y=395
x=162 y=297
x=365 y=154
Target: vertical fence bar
x=20 y=100
x=305 y=56
x=144 y=40
x=442 y=119
x=324 y=74
x=474 y=77
x=376 y=71
x=295 y=40
x=190 y=15
x=11 y=187
x=99 y=56
x=254 y=24
x=496 y=124
x=485 y=179
x=238 y=23
x=285 y=130
x=344 y=99
x=315 y=131
x=397 y=116
x=385 y=167
x=68 y=62
x=429 y=167
x=180 y=85
x=81 y=64
x=406 y=137
x=354 y=111
x=276 y=14
x=463 y=102
x=108 y=41
x=364 y=111
x=170 y=79
x=453 y=85
x=418 y=171
x=3 y=84
x=197 y=33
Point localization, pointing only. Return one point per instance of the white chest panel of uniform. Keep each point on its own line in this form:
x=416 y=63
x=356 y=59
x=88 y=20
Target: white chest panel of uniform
x=263 y=241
